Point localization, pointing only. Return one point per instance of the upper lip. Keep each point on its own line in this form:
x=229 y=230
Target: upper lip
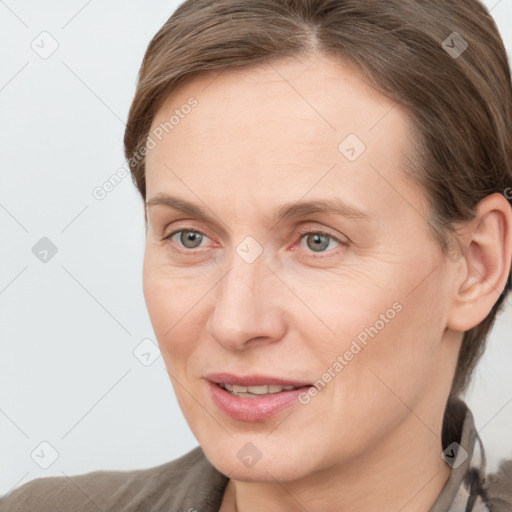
x=253 y=380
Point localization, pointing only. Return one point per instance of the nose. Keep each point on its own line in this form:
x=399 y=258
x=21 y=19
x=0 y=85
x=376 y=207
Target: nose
x=248 y=310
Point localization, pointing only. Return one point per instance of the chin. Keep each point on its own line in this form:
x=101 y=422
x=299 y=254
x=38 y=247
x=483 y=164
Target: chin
x=242 y=460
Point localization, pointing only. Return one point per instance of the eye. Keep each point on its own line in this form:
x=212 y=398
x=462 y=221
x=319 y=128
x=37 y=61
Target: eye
x=315 y=241
x=319 y=241
x=188 y=238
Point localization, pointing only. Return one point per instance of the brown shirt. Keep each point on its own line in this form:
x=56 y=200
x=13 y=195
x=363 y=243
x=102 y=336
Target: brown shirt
x=191 y=484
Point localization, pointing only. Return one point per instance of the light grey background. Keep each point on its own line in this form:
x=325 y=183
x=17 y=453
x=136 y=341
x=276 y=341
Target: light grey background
x=68 y=374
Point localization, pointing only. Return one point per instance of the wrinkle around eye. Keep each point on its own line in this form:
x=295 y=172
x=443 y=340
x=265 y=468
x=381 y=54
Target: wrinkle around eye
x=297 y=249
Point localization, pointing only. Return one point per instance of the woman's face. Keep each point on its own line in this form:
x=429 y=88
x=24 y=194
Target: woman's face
x=285 y=246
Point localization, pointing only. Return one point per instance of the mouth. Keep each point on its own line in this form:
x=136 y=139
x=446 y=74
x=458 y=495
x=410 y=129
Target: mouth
x=255 y=391
x=253 y=398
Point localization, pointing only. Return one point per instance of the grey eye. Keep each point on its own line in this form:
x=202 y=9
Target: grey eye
x=190 y=239
x=318 y=242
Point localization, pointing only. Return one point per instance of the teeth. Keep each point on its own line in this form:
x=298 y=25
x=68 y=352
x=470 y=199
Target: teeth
x=251 y=391
x=258 y=390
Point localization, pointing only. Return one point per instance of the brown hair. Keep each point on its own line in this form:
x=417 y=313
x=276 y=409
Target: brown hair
x=460 y=103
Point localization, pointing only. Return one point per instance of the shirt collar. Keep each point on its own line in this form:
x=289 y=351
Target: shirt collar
x=463 y=452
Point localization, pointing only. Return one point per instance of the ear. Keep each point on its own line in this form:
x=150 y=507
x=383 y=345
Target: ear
x=484 y=265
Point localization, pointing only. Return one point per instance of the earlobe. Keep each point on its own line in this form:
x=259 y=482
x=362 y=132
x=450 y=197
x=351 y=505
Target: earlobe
x=486 y=262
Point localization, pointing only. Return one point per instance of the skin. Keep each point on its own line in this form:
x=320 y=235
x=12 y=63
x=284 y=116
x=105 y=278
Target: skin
x=268 y=135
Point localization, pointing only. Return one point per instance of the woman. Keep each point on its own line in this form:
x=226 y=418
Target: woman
x=328 y=242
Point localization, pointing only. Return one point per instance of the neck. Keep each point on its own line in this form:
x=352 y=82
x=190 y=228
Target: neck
x=405 y=472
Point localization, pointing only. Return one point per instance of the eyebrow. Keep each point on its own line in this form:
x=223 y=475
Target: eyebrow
x=286 y=211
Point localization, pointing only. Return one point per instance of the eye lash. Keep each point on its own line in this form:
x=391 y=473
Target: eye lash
x=170 y=235
x=302 y=233
x=309 y=231
x=312 y=231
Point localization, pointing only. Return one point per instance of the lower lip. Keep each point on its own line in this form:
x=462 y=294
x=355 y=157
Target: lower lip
x=253 y=409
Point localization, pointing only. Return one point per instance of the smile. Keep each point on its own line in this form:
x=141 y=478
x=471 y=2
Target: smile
x=252 y=398
x=254 y=391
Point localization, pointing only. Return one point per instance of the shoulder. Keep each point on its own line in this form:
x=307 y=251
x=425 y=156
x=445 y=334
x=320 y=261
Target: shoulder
x=498 y=488
x=169 y=486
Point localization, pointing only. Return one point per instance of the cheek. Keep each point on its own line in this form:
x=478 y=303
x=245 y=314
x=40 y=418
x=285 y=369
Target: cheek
x=173 y=307
x=171 y=304
x=348 y=307
x=400 y=356
x=389 y=328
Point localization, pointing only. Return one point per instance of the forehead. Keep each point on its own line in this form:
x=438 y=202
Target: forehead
x=326 y=94
x=279 y=127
